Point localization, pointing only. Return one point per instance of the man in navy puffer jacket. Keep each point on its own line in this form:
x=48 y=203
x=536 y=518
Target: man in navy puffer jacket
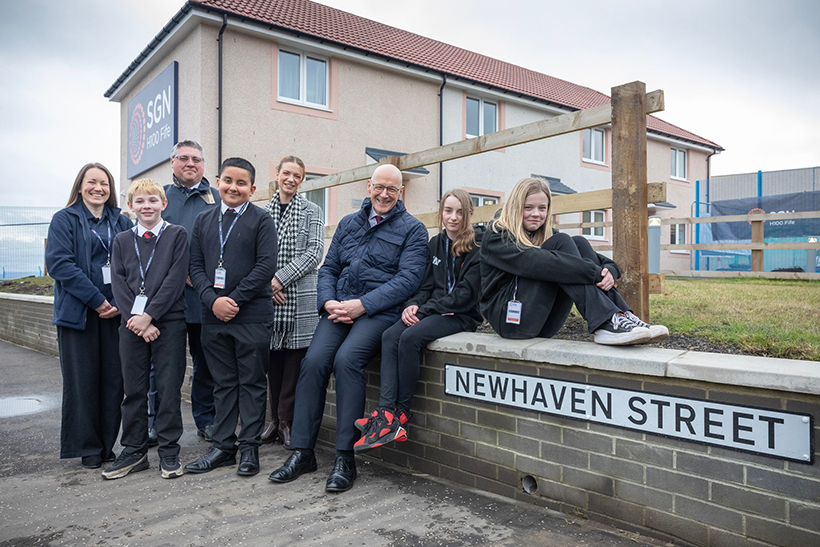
x=374 y=264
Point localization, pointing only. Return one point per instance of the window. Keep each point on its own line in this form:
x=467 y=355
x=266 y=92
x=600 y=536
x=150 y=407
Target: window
x=303 y=79
x=482 y=117
x=319 y=197
x=594 y=143
x=677 y=236
x=479 y=200
x=596 y=232
x=678 y=161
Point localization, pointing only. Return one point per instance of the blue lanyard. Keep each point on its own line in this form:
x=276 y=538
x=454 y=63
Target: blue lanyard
x=451 y=261
x=222 y=242
x=144 y=272
x=104 y=246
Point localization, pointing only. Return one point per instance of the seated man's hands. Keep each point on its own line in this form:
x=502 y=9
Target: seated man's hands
x=344 y=312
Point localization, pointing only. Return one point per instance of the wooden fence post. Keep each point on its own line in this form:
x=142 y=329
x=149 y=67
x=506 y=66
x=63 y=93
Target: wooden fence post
x=629 y=178
x=757 y=237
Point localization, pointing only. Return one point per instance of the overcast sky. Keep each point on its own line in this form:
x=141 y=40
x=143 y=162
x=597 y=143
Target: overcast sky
x=742 y=73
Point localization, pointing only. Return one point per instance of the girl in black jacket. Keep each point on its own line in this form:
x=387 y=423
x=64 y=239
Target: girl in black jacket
x=531 y=275
x=446 y=303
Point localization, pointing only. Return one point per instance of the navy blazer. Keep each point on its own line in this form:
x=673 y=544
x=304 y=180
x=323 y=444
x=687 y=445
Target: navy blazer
x=68 y=261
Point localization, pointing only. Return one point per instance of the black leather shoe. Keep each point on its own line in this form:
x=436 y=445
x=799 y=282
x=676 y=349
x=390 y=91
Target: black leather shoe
x=153 y=439
x=206 y=432
x=248 y=462
x=342 y=475
x=284 y=434
x=301 y=461
x=271 y=432
x=212 y=459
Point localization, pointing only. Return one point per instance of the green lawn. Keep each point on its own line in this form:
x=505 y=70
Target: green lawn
x=780 y=318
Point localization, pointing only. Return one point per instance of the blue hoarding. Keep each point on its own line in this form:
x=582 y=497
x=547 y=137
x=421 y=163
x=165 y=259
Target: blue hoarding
x=783 y=203
x=152 y=123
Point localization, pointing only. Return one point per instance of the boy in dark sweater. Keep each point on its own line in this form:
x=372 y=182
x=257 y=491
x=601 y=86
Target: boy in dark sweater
x=149 y=268
x=233 y=259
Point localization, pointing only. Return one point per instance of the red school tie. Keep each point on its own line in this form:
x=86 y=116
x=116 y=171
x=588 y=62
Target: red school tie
x=148 y=234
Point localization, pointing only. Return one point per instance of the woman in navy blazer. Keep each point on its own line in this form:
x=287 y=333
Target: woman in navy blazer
x=86 y=315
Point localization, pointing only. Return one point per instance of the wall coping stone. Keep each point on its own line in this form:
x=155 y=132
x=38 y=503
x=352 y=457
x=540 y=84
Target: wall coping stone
x=28 y=298
x=789 y=375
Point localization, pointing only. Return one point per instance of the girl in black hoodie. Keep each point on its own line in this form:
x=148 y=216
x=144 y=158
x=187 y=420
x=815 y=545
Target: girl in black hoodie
x=531 y=275
x=446 y=303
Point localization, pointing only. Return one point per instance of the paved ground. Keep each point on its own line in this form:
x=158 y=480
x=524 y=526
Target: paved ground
x=48 y=501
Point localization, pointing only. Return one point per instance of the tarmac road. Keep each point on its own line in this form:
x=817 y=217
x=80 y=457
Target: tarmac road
x=48 y=501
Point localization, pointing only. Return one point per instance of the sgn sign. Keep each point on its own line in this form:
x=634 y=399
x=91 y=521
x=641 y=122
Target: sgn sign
x=770 y=432
x=152 y=123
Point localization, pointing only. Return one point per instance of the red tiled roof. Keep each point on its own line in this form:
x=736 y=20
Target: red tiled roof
x=328 y=23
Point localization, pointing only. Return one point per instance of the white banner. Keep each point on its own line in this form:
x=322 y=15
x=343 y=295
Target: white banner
x=786 y=435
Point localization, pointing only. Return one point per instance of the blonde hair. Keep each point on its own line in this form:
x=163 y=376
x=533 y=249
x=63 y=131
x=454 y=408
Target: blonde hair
x=146 y=186
x=512 y=214
x=465 y=240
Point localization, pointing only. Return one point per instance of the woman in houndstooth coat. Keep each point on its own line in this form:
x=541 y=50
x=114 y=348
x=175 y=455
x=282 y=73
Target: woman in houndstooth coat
x=300 y=232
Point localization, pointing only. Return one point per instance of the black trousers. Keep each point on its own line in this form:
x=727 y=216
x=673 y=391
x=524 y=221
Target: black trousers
x=168 y=356
x=344 y=351
x=401 y=357
x=545 y=305
x=237 y=356
x=92 y=387
x=202 y=383
x=283 y=373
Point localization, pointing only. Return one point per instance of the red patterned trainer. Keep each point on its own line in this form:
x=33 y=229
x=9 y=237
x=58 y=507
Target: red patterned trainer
x=384 y=429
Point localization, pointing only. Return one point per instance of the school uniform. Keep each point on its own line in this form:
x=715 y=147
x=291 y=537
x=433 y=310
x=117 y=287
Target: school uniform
x=155 y=264
x=451 y=286
x=236 y=350
x=89 y=346
x=546 y=280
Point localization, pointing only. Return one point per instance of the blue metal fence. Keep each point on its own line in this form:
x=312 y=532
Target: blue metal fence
x=23 y=233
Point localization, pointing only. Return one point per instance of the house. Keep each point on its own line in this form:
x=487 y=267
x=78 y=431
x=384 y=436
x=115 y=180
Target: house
x=266 y=78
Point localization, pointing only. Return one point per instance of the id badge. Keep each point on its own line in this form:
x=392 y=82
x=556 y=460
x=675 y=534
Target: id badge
x=514 y=312
x=106 y=271
x=139 y=304
x=219 y=278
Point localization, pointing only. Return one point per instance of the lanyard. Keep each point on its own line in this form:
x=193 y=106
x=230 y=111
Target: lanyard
x=104 y=246
x=144 y=272
x=222 y=242
x=450 y=264
x=515 y=290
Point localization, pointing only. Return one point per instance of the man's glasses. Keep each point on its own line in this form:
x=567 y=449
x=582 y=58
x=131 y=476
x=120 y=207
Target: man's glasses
x=186 y=159
x=391 y=190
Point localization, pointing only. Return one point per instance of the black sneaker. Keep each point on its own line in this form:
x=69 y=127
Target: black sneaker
x=170 y=467
x=621 y=331
x=659 y=332
x=125 y=464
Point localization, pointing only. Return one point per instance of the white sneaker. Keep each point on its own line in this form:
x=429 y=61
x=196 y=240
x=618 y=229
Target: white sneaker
x=659 y=332
x=621 y=331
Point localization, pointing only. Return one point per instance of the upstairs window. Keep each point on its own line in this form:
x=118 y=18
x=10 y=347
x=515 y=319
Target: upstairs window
x=595 y=232
x=594 y=143
x=678 y=161
x=479 y=200
x=303 y=79
x=482 y=117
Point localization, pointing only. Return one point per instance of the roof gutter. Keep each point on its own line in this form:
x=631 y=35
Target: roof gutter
x=441 y=133
x=219 y=100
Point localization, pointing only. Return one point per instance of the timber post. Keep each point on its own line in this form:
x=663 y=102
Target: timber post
x=629 y=194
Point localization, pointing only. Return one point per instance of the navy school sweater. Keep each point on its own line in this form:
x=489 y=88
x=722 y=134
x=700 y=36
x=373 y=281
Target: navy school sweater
x=249 y=260
x=164 y=280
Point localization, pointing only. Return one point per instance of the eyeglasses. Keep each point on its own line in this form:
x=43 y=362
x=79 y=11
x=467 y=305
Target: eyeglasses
x=391 y=190
x=186 y=159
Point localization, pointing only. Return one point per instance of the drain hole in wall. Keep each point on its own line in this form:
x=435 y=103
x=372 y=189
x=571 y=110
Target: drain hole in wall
x=529 y=484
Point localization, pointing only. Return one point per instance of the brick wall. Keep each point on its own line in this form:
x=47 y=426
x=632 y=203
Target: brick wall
x=26 y=320
x=672 y=489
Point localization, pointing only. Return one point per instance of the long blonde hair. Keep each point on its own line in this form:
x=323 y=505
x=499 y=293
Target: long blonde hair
x=512 y=214
x=465 y=240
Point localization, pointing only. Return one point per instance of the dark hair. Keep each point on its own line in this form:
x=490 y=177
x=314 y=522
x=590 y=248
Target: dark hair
x=187 y=144
x=241 y=163
x=291 y=159
x=76 y=190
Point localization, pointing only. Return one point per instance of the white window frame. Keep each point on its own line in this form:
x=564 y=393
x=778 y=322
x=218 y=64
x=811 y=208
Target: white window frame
x=593 y=147
x=302 y=101
x=326 y=195
x=594 y=232
x=677 y=236
x=481 y=103
x=480 y=200
x=674 y=163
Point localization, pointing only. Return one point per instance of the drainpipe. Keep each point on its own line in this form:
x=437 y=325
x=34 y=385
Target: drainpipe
x=219 y=100
x=441 y=133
